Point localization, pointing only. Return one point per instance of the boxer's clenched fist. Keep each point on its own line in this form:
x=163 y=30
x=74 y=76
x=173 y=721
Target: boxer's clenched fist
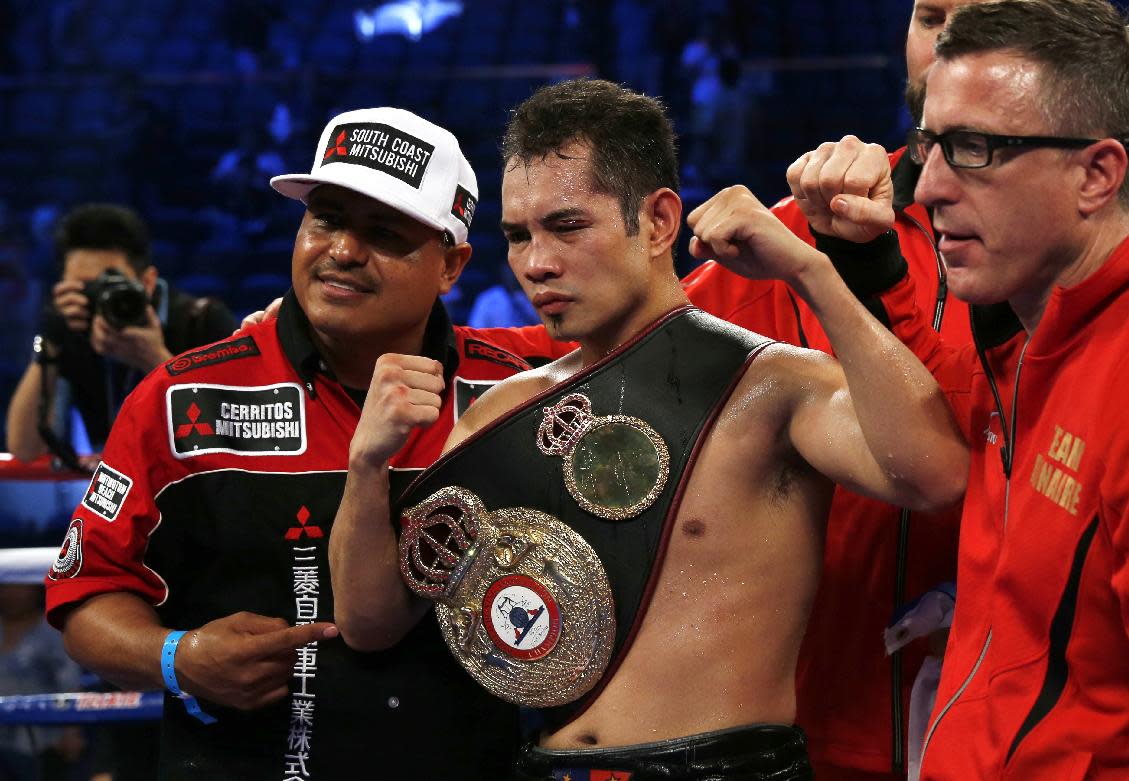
x=404 y=393
x=736 y=230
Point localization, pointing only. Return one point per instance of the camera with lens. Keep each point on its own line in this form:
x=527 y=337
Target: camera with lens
x=119 y=299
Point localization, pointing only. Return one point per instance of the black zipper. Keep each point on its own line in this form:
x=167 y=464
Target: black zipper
x=942 y=274
x=897 y=707
x=803 y=338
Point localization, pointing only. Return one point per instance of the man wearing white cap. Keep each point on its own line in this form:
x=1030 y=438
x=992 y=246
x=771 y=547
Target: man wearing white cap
x=211 y=510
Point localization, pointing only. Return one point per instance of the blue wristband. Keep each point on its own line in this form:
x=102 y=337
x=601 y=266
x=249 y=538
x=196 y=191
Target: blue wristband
x=168 y=672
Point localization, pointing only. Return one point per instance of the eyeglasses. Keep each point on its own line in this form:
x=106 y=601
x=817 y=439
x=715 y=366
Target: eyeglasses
x=970 y=149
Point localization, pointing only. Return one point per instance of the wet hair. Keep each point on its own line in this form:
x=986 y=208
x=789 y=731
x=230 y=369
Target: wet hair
x=630 y=135
x=104 y=226
x=1082 y=47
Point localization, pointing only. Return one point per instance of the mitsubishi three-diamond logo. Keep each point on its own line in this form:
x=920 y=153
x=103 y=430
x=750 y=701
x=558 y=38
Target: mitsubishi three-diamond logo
x=336 y=147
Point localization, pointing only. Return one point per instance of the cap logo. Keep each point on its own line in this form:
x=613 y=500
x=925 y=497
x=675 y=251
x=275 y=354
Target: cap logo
x=336 y=147
x=463 y=207
x=382 y=148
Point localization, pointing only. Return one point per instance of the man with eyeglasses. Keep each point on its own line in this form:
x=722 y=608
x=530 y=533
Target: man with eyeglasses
x=1023 y=148
x=973 y=149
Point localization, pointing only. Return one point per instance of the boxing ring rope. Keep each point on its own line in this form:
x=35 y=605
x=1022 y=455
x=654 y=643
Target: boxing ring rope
x=29 y=566
x=59 y=708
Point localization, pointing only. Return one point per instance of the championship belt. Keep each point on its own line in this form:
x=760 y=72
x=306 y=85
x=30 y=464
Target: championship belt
x=523 y=601
x=614 y=467
x=538 y=538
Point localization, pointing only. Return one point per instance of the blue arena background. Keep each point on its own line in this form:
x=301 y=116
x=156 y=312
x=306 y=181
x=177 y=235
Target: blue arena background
x=183 y=109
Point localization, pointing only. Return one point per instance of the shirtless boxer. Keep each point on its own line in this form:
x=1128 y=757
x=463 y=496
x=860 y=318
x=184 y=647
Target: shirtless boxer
x=703 y=652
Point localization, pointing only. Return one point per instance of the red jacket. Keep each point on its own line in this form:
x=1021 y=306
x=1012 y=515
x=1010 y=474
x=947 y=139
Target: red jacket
x=1036 y=674
x=852 y=700
x=113 y=554
x=217 y=491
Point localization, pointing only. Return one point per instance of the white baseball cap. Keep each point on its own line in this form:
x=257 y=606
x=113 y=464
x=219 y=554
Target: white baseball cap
x=397 y=158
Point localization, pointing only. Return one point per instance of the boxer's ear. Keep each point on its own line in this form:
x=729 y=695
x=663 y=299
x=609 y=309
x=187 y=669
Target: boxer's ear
x=660 y=218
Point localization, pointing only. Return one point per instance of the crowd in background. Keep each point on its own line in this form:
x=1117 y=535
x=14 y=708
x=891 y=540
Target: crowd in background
x=183 y=111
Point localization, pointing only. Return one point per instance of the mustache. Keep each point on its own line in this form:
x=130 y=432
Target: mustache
x=354 y=274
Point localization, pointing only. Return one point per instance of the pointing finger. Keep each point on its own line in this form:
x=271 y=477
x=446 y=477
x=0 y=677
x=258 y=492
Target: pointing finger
x=295 y=636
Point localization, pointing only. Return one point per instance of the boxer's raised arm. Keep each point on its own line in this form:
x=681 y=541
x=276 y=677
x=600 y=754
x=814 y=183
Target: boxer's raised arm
x=877 y=421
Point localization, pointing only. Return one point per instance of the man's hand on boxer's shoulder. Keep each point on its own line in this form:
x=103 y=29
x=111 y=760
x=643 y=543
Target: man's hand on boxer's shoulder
x=844 y=188
x=243 y=660
x=405 y=392
x=260 y=315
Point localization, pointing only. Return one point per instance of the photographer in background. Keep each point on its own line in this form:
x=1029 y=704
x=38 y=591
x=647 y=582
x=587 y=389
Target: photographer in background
x=111 y=321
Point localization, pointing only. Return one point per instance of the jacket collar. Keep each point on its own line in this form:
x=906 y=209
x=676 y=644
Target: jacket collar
x=993 y=324
x=905 y=174
x=439 y=342
x=1068 y=310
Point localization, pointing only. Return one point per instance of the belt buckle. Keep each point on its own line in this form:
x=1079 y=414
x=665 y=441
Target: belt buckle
x=523 y=601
